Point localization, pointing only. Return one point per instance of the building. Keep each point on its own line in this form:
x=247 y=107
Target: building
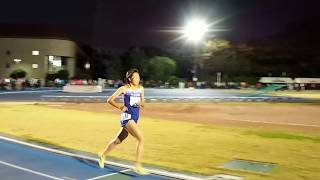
x=38 y=53
x=307 y=83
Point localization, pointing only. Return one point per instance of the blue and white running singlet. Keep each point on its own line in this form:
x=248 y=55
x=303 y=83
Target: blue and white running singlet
x=131 y=98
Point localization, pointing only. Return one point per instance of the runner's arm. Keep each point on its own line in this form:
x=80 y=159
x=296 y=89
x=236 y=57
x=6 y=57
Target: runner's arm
x=142 y=98
x=111 y=101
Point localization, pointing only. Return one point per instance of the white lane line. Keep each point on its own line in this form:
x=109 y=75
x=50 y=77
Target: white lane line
x=17 y=103
x=20 y=92
x=265 y=122
x=53 y=96
x=153 y=171
x=111 y=174
x=29 y=170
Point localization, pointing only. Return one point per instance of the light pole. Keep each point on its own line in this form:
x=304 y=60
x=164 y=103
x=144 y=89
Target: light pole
x=195 y=31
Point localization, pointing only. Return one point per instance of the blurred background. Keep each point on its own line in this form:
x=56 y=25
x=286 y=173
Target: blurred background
x=234 y=46
x=232 y=87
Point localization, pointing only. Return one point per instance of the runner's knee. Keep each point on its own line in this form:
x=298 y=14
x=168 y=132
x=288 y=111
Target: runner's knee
x=140 y=138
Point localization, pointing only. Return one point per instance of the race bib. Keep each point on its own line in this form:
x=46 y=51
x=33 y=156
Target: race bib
x=125 y=116
x=134 y=100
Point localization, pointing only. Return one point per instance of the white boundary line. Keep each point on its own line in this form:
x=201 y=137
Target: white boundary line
x=111 y=174
x=29 y=170
x=53 y=96
x=275 y=123
x=17 y=103
x=153 y=171
x=20 y=92
x=174 y=97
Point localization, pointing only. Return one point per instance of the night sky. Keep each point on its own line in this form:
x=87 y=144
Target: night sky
x=121 y=24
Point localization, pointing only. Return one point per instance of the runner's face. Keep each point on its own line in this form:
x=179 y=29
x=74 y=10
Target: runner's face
x=135 y=79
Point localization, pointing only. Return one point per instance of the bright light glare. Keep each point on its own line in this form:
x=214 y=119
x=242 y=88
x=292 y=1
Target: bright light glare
x=195 y=30
x=87 y=66
x=35 y=53
x=17 y=60
x=35 y=66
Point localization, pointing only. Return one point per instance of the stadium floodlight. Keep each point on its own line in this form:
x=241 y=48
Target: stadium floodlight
x=195 y=30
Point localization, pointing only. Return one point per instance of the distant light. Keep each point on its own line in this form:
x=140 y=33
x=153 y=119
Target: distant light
x=35 y=66
x=35 y=53
x=87 y=65
x=7 y=80
x=51 y=58
x=195 y=30
x=17 y=60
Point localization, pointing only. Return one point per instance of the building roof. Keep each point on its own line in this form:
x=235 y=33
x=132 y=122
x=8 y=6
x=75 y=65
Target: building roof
x=307 y=80
x=275 y=80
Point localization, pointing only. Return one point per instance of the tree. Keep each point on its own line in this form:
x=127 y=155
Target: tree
x=114 y=68
x=18 y=73
x=136 y=58
x=216 y=54
x=161 y=68
x=212 y=46
x=81 y=74
x=63 y=74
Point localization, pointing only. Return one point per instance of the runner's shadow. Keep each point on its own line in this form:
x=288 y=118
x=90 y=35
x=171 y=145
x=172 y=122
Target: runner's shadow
x=94 y=164
x=87 y=162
